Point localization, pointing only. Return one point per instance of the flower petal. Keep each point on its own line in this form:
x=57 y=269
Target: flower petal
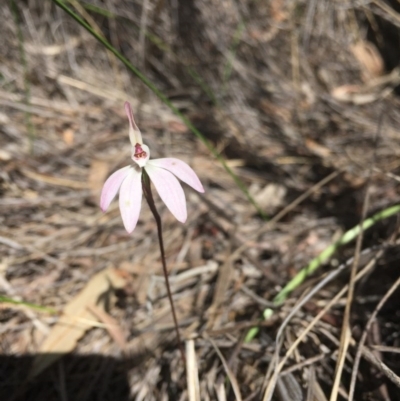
x=130 y=199
x=183 y=171
x=170 y=191
x=135 y=135
x=111 y=187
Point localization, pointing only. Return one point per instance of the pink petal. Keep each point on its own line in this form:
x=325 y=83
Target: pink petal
x=130 y=199
x=170 y=191
x=183 y=171
x=111 y=187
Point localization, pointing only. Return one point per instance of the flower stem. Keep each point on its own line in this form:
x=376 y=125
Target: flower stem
x=149 y=198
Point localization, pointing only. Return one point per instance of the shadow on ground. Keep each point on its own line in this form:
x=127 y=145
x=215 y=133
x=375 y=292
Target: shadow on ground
x=72 y=377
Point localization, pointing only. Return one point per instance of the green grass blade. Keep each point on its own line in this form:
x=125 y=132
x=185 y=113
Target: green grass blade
x=98 y=10
x=165 y=100
x=8 y=300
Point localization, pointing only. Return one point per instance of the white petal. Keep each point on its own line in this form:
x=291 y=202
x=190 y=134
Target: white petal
x=111 y=187
x=183 y=171
x=170 y=191
x=130 y=199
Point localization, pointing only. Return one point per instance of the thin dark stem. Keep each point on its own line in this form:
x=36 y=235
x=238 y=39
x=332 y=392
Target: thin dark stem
x=149 y=197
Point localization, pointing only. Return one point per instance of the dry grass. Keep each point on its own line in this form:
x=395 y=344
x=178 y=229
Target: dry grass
x=290 y=92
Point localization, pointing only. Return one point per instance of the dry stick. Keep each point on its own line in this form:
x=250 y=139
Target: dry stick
x=386 y=348
x=346 y=331
x=328 y=278
x=192 y=372
x=366 y=353
x=229 y=373
x=364 y=336
x=149 y=197
x=370 y=357
x=278 y=368
x=307 y=362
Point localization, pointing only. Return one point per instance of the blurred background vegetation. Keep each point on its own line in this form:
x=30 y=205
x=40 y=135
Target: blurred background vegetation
x=298 y=99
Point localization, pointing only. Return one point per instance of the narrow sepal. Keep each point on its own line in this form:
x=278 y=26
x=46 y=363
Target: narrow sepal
x=135 y=135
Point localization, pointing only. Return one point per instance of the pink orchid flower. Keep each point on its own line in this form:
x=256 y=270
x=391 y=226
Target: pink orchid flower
x=162 y=173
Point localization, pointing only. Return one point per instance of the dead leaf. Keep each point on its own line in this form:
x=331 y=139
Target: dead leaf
x=355 y=94
x=114 y=329
x=75 y=320
x=369 y=58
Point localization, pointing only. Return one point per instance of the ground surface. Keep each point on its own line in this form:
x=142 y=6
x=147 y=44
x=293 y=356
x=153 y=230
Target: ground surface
x=300 y=98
